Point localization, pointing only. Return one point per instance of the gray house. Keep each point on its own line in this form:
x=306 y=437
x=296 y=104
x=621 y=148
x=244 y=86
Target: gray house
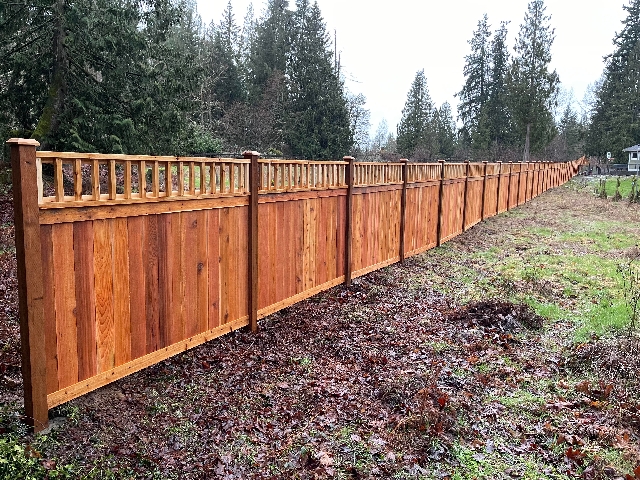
x=634 y=161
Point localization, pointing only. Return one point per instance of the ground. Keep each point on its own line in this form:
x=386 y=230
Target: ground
x=505 y=353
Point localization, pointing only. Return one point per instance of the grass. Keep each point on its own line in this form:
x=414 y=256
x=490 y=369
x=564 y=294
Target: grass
x=625 y=186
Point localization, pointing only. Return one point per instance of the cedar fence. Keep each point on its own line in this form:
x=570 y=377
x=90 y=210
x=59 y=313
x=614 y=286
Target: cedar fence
x=128 y=260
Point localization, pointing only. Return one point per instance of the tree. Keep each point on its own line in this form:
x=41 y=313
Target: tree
x=615 y=120
x=359 y=119
x=475 y=92
x=416 y=135
x=532 y=86
x=497 y=115
x=318 y=119
x=445 y=128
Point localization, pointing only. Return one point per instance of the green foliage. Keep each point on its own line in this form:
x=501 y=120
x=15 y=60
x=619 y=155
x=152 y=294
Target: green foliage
x=532 y=87
x=416 y=132
x=615 y=122
x=145 y=77
x=475 y=92
x=19 y=460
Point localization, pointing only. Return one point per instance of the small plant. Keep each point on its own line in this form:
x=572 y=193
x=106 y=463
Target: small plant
x=634 y=195
x=630 y=278
x=602 y=189
x=617 y=197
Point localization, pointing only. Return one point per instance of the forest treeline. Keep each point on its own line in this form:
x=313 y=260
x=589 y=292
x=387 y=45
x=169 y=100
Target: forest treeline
x=148 y=77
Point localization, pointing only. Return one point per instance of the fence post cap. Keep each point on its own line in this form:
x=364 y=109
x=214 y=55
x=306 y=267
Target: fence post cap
x=442 y=161
x=403 y=160
x=23 y=141
x=249 y=153
x=485 y=161
x=347 y=158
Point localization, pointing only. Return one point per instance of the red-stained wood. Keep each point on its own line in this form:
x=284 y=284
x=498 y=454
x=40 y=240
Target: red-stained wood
x=83 y=242
x=253 y=250
x=48 y=280
x=213 y=240
x=191 y=259
x=349 y=176
x=121 y=300
x=30 y=278
x=202 y=269
x=152 y=309
x=103 y=265
x=67 y=338
x=166 y=272
x=137 y=310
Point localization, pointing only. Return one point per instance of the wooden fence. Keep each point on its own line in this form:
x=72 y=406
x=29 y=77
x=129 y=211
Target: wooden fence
x=127 y=260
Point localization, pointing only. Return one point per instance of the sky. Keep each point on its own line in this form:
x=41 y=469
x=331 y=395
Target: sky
x=383 y=45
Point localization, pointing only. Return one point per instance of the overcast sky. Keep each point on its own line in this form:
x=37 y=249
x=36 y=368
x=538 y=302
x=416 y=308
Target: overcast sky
x=384 y=44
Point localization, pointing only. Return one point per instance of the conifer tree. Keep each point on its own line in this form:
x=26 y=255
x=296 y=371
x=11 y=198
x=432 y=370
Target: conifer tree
x=615 y=122
x=318 y=120
x=475 y=92
x=497 y=114
x=532 y=87
x=416 y=134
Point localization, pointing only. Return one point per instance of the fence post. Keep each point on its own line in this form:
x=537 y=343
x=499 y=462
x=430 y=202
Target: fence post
x=403 y=209
x=24 y=171
x=484 y=188
x=349 y=219
x=254 y=180
x=466 y=190
x=440 y=210
x=519 y=183
x=509 y=186
x=499 y=187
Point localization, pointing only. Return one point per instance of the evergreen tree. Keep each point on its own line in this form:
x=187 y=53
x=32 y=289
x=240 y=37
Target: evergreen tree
x=532 y=86
x=269 y=50
x=359 y=122
x=416 y=135
x=445 y=128
x=496 y=119
x=475 y=92
x=615 y=122
x=318 y=119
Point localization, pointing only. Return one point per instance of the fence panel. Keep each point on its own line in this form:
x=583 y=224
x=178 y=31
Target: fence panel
x=127 y=260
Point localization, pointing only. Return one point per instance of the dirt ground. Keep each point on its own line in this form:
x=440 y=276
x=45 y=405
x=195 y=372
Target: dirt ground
x=502 y=354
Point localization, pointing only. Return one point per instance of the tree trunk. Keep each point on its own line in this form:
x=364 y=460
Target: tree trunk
x=49 y=121
x=527 y=143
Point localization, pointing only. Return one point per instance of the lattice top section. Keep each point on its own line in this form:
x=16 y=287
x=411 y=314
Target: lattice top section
x=423 y=172
x=375 y=173
x=90 y=178
x=455 y=170
x=294 y=175
x=476 y=169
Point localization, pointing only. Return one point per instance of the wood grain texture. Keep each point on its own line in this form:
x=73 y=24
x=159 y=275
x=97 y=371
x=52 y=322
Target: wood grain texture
x=83 y=242
x=48 y=281
x=66 y=329
x=103 y=268
x=121 y=289
x=137 y=296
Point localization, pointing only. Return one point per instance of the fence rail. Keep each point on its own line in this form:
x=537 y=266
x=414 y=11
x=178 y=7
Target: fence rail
x=124 y=261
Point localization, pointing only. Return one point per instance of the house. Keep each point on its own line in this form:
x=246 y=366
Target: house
x=634 y=161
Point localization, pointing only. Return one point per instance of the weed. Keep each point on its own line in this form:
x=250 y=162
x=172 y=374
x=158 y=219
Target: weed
x=630 y=282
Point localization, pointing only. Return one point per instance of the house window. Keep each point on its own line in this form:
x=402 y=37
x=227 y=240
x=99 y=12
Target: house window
x=634 y=155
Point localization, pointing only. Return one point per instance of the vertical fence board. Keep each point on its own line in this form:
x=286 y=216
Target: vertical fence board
x=151 y=283
x=137 y=297
x=83 y=242
x=213 y=237
x=67 y=340
x=103 y=264
x=121 y=301
x=48 y=281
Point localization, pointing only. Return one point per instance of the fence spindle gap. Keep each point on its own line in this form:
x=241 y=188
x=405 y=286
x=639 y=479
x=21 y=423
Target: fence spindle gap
x=39 y=181
x=77 y=179
x=112 y=179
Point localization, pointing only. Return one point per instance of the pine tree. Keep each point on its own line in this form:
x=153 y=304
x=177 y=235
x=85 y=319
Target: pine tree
x=475 y=92
x=615 y=122
x=416 y=135
x=532 y=86
x=318 y=120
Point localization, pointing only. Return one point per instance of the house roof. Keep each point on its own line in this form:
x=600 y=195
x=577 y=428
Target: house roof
x=635 y=148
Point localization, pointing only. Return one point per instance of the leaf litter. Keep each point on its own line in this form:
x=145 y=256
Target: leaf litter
x=398 y=376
